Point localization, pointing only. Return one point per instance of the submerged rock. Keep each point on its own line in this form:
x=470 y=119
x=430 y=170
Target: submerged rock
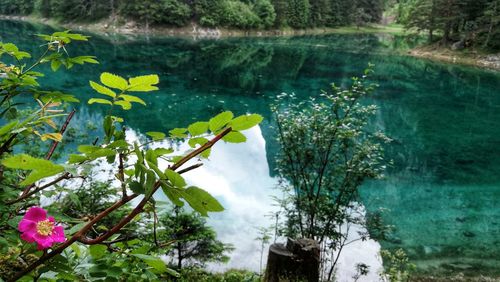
x=469 y=234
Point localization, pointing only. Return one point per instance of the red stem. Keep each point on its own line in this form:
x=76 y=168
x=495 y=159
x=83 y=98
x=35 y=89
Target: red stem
x=79 y=236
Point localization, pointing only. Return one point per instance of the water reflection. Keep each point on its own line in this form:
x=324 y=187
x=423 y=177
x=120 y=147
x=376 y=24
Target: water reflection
x=442 y=188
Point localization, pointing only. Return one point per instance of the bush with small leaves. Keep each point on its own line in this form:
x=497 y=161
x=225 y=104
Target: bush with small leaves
x=139 y=169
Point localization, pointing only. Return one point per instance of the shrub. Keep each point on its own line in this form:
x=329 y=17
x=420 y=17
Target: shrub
x=265 y=11
x=16 y=7
x=240 y=15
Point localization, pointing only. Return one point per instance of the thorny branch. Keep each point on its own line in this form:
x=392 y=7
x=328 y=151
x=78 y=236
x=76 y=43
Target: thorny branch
x=80 y=235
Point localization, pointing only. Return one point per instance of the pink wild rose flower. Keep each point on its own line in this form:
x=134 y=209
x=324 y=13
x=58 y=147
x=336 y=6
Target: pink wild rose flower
x=37 y=227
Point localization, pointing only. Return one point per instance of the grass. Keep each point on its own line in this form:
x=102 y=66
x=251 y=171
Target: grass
x=375 y=28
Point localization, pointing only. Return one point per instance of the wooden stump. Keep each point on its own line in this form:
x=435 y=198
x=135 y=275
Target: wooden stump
x=297 y=261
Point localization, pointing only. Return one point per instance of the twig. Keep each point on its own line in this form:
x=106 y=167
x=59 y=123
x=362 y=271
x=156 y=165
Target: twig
x=121 y=175
x=52 y=148
x=65 y=176
x=61 y=131
x=79 y=236
x=139 y=208
x=155 y=222
x=5 y=146
x=195 y=166
x=73 y=239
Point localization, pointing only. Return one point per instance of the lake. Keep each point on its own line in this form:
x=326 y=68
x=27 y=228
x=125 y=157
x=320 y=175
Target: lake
x=442 y=192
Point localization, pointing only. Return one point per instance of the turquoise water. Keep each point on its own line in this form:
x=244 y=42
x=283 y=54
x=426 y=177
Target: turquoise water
x=442 y=193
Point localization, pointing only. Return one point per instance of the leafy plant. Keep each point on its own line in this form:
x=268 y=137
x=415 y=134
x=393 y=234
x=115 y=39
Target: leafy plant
x=139 y=168
x=397 y=267
x=193 y=243
x=327 y=151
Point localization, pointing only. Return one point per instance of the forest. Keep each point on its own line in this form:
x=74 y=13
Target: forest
x=467 y=23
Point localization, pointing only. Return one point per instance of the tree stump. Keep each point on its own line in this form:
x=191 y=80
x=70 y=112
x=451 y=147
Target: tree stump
x=297 y=261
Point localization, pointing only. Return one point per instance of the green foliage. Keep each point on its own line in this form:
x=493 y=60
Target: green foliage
x=195 y=243
x=474 y=24
x=397 y=267
x=241 y=14
x=232 y=275
x=71 y=10
x=265 y=11
x=298 y=13
x=39 y=168
x=145 y=83
x=280 y=7
x=328 y=151
x=168 y=12
x=238 y=14
x=16 y=7
x=96 y=214
x=209 y=12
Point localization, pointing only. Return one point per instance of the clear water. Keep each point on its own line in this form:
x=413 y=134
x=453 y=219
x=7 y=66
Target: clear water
x=443 y=192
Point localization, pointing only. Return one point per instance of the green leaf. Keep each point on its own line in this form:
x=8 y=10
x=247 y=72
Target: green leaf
x=156 y=135
x=178 y=132
x=163 y=151
x=122 y=144
x=198 y=128
x=124 y=104
x=55 y=65
x=173 y=272
x=144 y=83
x=245 y=122
x=97 y=251
x=201 y=201
x=144 y=80
x=136 y=187
x=138 y=153
x=197 y=141
x=130 y=98
x=87 y=149
x=102 y=152
x=235 y=137
x=220 y=120
x=172 y=193
x=205 y=154
x=99 y=101
x=91 y=153
x=154 y=262
x=67 y=35
x=40 y=168
x=114 y=81
x=84 y=59
x=76 y=228
x=151 y=156
x=6 y=128
x=102 y=89
x=150 y=180
x=75 y=159
x=176 y=179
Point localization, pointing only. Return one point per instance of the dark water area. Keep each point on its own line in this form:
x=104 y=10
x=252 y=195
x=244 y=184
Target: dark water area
x=442 y=194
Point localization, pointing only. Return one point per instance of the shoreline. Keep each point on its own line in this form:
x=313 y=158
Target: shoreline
x=131 y=29
x=443 y=54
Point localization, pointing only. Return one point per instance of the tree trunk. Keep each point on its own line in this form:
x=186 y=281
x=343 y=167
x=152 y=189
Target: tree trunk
x=297 y=261
x=179 y=258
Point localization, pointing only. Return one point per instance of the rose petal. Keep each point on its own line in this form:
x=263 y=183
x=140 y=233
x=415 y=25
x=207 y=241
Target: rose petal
x=28 y=237
x=51 y=219
x=43 y=242
x=58 y=235
x=25 y=225
x=35 y=214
